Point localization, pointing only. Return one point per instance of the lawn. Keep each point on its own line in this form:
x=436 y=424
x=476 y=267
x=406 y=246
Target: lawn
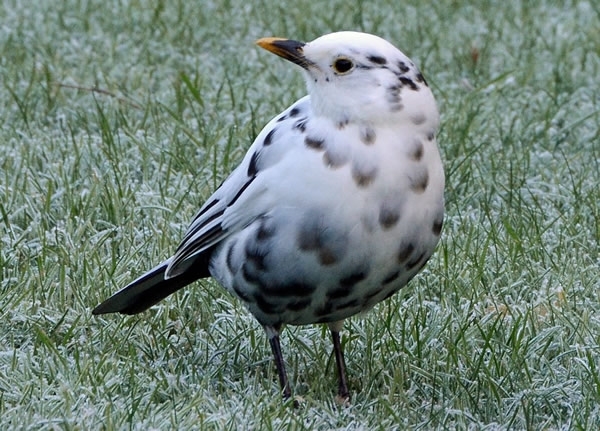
x=118 y=119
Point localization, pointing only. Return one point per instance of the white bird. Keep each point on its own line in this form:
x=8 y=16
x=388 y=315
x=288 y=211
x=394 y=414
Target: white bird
x=338 y=203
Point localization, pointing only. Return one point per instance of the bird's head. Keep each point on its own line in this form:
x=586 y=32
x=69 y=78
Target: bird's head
x=359 y=77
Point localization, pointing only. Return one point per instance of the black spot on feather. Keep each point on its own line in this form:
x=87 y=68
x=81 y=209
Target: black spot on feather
x=407 y=82
x=297 y=305
x=405 y=252
x=253 y=166
x=353 y=279
x=421 y=78
x=266 y=306
x=229 y=259
x=392 y=277
x=413 y=263
x=437 y=226
x=269 y=138
x=256 y=255
x=206 y=208
x=377 y=59
x=403 y=67
x=300 y=125
x=314 y=143
x=241 y=190
x=266 y=229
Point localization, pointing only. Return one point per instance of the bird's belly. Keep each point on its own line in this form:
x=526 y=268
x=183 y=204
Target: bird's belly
x=295 y=266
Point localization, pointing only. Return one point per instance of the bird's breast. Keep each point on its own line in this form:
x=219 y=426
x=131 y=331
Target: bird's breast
x=355 y=211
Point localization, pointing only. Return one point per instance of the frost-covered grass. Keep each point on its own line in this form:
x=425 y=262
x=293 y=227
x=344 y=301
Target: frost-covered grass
x=501 y=331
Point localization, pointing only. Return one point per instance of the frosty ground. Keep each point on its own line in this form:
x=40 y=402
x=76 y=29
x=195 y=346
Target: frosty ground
x=119 y=118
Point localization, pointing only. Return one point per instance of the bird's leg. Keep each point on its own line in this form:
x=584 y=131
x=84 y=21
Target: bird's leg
x=343 y=392
x=273 y=334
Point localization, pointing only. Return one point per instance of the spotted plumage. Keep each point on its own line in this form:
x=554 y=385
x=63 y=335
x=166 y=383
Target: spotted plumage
x=416 y=152
x=389 y=214
x=367 y=135
x=337 y=204
x=314 y=143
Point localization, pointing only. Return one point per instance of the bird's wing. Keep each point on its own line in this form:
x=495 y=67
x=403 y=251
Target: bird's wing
x=239 y=201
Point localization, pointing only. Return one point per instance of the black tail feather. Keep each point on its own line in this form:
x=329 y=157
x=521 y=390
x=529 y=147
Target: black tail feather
x=150 y=288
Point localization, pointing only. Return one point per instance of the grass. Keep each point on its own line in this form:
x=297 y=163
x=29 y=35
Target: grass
x=120 y=118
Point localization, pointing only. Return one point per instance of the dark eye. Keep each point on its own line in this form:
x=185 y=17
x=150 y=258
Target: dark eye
x=343 y=65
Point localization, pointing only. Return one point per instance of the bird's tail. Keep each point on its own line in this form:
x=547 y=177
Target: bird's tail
x=150 y=288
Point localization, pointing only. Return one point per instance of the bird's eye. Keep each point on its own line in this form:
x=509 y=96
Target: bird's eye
x=343 y=65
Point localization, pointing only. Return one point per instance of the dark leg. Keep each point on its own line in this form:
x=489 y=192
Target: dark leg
x=343 y=392
x=273 y=335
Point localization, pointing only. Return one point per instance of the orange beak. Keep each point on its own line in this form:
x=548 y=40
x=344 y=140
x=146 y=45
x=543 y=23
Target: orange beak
x=291 y=50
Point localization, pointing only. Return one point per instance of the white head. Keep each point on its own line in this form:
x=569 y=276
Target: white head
x=359 y=77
